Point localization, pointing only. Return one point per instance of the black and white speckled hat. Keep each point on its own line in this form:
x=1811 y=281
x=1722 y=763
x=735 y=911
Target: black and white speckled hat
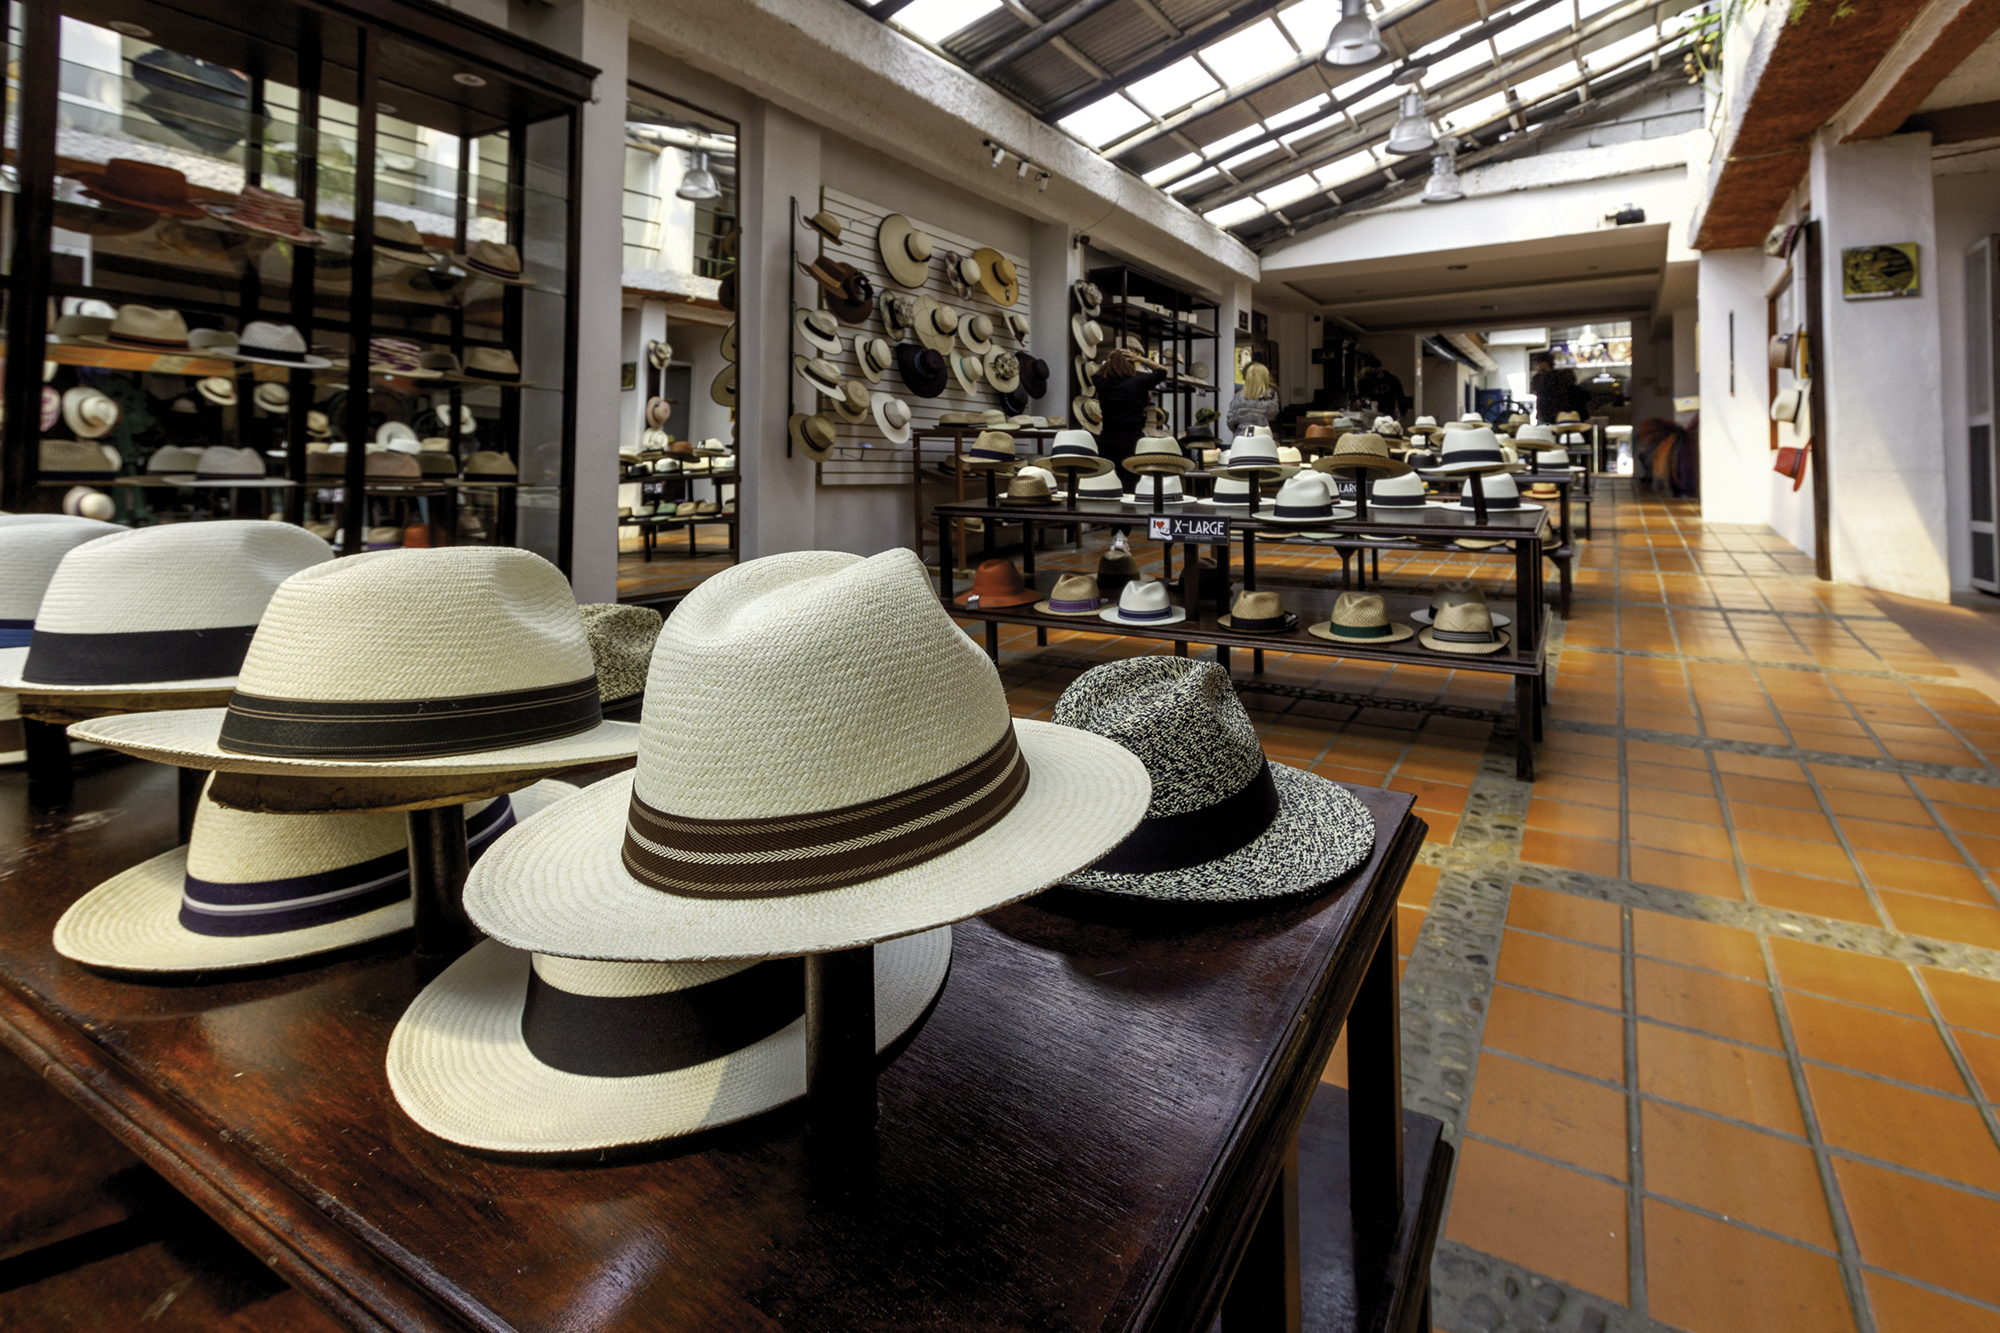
x=1225 y=824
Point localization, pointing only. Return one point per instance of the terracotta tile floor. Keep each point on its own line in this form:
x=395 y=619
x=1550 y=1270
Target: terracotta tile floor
x=1739 y=1045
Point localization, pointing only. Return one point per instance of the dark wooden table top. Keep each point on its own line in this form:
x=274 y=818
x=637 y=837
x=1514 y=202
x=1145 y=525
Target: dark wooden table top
x=1430 y=521
x=1079 y=1136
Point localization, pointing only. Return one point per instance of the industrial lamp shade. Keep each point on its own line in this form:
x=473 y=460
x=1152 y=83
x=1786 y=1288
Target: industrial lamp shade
x=1411 y=133
x=699 y=183
x=1355 y=39
x=1443 y=186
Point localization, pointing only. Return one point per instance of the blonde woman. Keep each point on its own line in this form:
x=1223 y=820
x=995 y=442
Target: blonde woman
x=1125 y=387
x=1256 y=402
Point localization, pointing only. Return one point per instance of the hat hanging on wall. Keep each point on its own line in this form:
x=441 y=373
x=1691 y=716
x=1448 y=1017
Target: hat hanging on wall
x=819 y=328
x=849 y=292
x=892 y=417
x=1034 y=375
x=968 y=370
x=1087 y=413
x=723 y=390
x=826 y=224
x=1003 y=370
x=658 y=354
x=814 y=435
x=1089 y=335
x=976 y=332
x=822 y=375
x=1089 y=298
x=961 y=272
x=88 y=413
x=1017 y=324
x=1086 y=374
x=899 y=314
x=853 y=403
x=923 y=369
x=935 y=325
x=998 y=277
x=906 y=251
x=728 y=343
x=658 y=410
x=874 y=357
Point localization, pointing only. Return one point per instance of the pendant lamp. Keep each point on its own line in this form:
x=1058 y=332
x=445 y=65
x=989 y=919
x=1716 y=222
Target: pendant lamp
x=1355 y=40
x=1443 y=186
x=1411 y=133
x=699 y=183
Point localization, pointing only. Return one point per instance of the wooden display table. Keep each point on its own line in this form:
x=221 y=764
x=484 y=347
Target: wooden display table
x=1525 y=658
x=1094 y=1129
x=45 y=719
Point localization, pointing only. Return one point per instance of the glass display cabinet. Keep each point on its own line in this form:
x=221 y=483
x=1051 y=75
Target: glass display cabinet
x=307 y=261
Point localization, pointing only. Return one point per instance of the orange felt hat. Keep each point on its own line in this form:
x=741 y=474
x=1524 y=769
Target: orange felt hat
x=997 y=583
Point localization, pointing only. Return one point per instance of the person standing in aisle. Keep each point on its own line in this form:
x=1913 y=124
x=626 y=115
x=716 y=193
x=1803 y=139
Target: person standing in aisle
x=1125 y=387
x=1256 y=403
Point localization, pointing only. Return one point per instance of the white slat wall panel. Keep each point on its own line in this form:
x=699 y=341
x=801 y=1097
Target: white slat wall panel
x=886 y=463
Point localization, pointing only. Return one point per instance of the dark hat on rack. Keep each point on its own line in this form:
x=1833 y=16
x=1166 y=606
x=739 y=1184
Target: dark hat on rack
x=924 y=371
x=849 y=292
x=1034 y=376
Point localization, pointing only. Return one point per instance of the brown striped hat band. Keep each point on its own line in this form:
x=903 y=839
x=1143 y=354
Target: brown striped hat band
x=785 y=855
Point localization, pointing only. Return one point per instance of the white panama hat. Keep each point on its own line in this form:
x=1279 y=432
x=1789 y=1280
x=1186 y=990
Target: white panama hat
x=1454 y=594
x=1536 y=434
x=819 y=328
x=1231 y=493
x=892 y=417
x=1143 y=601
x=31 y=547
x=615 y=1053
x=1074 y=451
x=1253 y=455
x=1225 y=823
x=1404 y=492
x=249 y=889
x=171 y=607
x=1475 y=449
x=1305 y=500
x=1502 y=495
x=796 y=794
x=438 y=661
x=1103 y=485
x=1169 y=487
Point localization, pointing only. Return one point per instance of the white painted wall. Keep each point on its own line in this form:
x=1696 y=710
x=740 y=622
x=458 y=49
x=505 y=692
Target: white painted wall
x=1968 y=208
x=1737 y=485
x=1884 y=386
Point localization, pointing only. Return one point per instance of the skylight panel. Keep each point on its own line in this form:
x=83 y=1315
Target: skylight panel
x=1592 y=7
x=1167 y=171
x=1532 y=29
x=1256 y=50
x=1173 y=87
x=1103 y=120
x=1299 y=112
x=1310 y=21
x=1199 y=178
x=1287 y=192
x=1229 y=141
x=1231 y=214
x=1440 y=72
x=1375 y=101
x=935 y=20
x=1324 y=123
x=1617 y=53
x=1474 y=114
x=1350 y=168
x=1534 y=90
x=1249 y=155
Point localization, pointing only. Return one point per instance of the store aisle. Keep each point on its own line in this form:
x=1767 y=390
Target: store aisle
x=1713 y=1007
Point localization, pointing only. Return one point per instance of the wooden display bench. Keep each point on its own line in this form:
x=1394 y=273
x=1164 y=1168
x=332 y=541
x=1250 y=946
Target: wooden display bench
x=1111 y=1119
x=652 y=526
x=1525 y=659
x=46 y=716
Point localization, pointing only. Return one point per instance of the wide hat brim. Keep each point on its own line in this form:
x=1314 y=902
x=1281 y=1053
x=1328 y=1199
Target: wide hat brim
x=1173 y=617
x=131 y=922
x=1324 y=630
x=1492 y=507
x=1089 y=465
x=1320 y=833
x=896 y=262
x=459 y=1067
x=1429 y=639
x=940 y=343
x=1047 y=610
x=831 y=346
x=1449 y=468
x=1008 y=385
x=1289 y=622
x=894 y=434
x=1083 y=342
x=958 y=373
x=1144 y=464
x=486 y=275
x=560 y=886
x=188 y=738
x=1003 y=293
x=723 y=391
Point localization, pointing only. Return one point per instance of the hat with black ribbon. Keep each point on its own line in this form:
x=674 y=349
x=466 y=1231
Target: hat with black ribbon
x=1360 y=617
x=171 y=607
x=457 y=659
x=32 y=546
x=1259 y=613
x=1225 y=824
x=249 y=889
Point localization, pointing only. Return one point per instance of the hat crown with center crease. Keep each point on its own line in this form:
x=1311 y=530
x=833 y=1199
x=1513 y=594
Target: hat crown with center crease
x=800 y=789
x=32 y=546
x=1498 y=487
x=169 y=606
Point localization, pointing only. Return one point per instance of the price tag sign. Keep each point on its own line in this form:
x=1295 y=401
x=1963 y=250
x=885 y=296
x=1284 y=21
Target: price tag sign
x=1178 y=528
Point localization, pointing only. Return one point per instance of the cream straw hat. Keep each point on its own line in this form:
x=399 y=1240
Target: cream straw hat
x=800 y=791
x=162 y=608
x=1463 y=627
x=1454 y=594
x=620 y=1053
x=455 y=659
x=1360 y=618
x=249 y=889
x=31 y=546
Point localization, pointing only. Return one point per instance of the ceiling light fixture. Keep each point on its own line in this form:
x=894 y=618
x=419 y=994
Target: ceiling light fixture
x=999 y=153
x=699 y=183
x=468 y=80
x=1411 y=134
x=1355 y=40
x=1443 y=187
x=130 y=29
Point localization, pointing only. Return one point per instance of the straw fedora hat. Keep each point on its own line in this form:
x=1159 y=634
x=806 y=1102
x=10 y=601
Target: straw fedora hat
x=968 y=370
x=1366 y=451
x=935 y=325
x=488 y=464
x=1142 y=601
x=723 y=390
x=906 y=251
x=493 y=365
x=853 y=403
x=1305 y=500
x=371 y=666
x=1017 y=325
x=250 y=889
x=882 y=795
x=827 y=225
x=1253 y=456
x=1231 y=493
x=892 y=417
x=1089 y=297
x=217 y=390
x=1569 y=418
x=874 y=356
x=1360 y=617
x=146 y=329
x=76 y=460
x=996 y=583
x=89 y=413
x=1074 y=595
x=1089 y=335
x=1405 y=492
x=1003 y=370
x=998 y=277
x=271 y=396
x=235 y=467
x=1086 y=373
x=819 y=328
x=1474 y=449
x=1463 y=627
x=505 y=1051
x=991 y=450
x=1158 y=453
x=495 y=262
x=1225 y=824
x=31 y=547
x=621 y=647
x=1028 y=487
x=171 y=607
x=820 y=373
x=658 y=411
x=1259 y=613
x=141 y=185
x=1088 y=413
x=813 y=435
x=976 y=332
x=398 y=241
x=1103 y=485
x=1454 y=594
x=1536 y=435
x=1168 y=485
x=273 y=344
x=1502 y=495
x=1074 y=451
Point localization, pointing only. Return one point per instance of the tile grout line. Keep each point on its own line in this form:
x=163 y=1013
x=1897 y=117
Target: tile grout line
x=1635 y=1206
x=1945 y=1030
x=1972 y=777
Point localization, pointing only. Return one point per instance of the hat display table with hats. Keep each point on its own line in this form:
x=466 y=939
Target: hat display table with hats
x=1033 y=1114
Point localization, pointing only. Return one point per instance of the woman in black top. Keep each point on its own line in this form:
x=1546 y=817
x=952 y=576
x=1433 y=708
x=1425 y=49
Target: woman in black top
x=1125 y=390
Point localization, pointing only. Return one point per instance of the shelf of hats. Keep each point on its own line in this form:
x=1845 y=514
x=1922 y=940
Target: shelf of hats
x=204 y=294
x=938 y=342
x=1119 y=306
